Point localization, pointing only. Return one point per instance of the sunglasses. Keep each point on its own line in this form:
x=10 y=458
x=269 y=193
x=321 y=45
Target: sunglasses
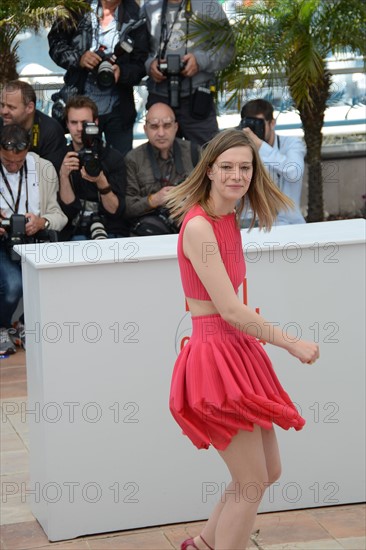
x=14 y=145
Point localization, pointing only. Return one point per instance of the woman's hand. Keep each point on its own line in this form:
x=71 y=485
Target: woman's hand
x=306 y=352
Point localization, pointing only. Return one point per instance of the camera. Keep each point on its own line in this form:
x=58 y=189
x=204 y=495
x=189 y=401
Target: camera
x=90 y=224
x=158 y=222
x=164 y=215
x=104 y=71
x=171 y=68
x=255 y=124
x=96 y=227
x=89 y=155
x=15 y=227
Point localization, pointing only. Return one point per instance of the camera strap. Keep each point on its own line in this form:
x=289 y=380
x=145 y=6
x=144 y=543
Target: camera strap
x=165 y=34
x=35 y=135
x=177 y=161
x=278 y=175
x=97 y=14
x=15 y=207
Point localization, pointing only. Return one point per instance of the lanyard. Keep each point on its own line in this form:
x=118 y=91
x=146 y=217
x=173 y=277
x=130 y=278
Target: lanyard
x=35 y=135
x=95 y=16
x=278 y=175
x=176 y=160
x=165 y=34
x=16 y=202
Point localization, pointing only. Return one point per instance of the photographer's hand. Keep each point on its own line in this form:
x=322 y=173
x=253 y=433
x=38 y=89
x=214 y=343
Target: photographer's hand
x=34 y=224
x=89 y=60
x=160 y=198
x=109 y=200
x=155 y=73
x=257 y=142
x=190 y=65
x=71 y=162
x=2 y=229
x=116 y=72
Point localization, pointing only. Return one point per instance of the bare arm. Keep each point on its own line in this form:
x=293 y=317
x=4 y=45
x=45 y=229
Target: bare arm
x=199 y=238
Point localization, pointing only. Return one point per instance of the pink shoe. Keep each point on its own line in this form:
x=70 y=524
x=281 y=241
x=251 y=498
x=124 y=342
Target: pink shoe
x=187 y=543
x=190 y=542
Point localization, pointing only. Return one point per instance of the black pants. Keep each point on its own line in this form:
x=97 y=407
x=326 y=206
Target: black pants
x=117 y=135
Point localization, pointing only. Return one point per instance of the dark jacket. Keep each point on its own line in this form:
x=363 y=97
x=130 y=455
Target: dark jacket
x=114 y=170
x=141 y=180
x=48 y=139
x=69 y=42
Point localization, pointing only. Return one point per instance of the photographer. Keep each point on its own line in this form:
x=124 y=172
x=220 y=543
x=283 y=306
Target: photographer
x=283 y=156
x=153 y=169
x=28 y=205
x=18 y=106
x=181 y=71
x=92 y=178
x=81 y=47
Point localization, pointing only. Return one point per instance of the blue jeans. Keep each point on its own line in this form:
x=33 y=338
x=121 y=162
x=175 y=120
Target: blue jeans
x=11 y=288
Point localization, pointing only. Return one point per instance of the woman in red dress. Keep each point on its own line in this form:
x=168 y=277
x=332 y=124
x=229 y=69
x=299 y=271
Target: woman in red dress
x=224 y=391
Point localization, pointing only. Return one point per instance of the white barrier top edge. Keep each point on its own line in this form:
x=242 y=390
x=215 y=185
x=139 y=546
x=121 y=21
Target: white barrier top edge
x=135 y=249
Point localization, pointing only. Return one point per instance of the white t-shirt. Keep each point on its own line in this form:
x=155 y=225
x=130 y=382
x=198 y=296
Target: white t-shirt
x=29 y=181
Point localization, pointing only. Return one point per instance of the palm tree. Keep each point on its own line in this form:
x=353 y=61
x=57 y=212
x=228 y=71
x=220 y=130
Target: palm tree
x=293 y=38
x=19 y=15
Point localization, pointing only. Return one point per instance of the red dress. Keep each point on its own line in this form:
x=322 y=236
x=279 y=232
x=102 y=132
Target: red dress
x=223 y=380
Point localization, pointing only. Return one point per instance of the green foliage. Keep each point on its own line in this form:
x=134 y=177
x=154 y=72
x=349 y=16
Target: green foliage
x=291 y=39
x=17 y=16
x=32 y=14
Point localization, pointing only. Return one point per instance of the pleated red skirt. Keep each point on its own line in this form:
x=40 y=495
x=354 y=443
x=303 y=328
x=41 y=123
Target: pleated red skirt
x=223 y=382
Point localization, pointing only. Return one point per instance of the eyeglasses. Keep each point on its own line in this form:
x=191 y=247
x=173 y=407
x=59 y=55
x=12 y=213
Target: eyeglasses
x=14 y=145
x=155 y=123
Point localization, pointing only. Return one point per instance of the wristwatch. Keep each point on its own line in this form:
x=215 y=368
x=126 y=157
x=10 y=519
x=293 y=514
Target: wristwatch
x=46 y=223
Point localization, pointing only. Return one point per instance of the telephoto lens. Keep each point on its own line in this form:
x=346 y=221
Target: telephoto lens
x=96 y=229
x=105 y=75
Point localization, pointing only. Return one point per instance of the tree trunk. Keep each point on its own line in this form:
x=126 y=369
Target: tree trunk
x=312 y=118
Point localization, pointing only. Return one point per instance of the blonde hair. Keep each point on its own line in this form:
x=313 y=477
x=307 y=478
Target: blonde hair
x=266 y=200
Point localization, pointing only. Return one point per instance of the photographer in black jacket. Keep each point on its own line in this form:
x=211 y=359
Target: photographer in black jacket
x=18 y=106
x=92 y=178
x=80 y=48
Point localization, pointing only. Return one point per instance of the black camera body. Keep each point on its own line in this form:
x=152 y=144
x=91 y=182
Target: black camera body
x=171 y=68
x=89 y=155
x=255 y=124
x=15 y=228
x=158 y=222
x=173 y=65
x=104 y=71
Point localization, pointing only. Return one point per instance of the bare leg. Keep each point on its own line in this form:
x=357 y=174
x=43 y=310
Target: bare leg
x=272 y=454
x=208 y=532
x=261 y=448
